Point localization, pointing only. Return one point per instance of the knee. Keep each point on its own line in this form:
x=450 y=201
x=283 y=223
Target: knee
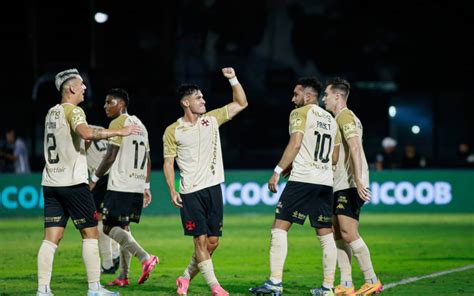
x=212 y=244
x=200 y=243
x=348 y=236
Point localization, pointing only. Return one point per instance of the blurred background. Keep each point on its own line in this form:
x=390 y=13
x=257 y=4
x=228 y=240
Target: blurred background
x=410 y=65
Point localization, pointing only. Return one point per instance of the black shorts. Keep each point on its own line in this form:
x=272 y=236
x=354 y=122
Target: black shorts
x=121 y=208
x=75 y=201
x=348 y=203
x=202 y=212
x=99 y=192
x=299 y=200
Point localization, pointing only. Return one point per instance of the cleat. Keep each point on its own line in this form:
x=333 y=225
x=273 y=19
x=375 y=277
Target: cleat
x=343 y=291
x=119 y=282
x=102 y=292
x=147 y=268
x=116 y=262
x=268 y=288
x=182 y=284
x=110 y=270
x=370 y=289
x=217 y=290
x=38 y=293
x=322 y=292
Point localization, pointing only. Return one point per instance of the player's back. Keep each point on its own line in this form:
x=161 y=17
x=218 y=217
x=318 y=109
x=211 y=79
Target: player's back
x=64 y=150
x=313 y=163
x=129 y=170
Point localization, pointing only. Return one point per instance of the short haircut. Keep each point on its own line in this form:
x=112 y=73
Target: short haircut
x=312 y=82
x=62 y=77
x=340 y=84
x=185 y=90
x=119 y=93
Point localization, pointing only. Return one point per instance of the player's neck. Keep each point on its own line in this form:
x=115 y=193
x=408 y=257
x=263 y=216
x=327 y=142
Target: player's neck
x=68 y=100
x=190 y=117
x=339 y=108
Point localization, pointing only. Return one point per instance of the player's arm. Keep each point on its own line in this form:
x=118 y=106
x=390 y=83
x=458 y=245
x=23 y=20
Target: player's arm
x=355 y=151
x=105 y=164
x=337 y=146
x=86 y=132
x=289 y=155
x=168 y=170
x=239 y=99
x=147 y=192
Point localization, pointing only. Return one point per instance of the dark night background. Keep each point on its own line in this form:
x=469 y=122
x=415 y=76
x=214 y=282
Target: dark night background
x=414 y=55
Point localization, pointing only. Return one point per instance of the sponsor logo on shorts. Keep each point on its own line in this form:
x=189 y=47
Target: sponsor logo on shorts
x=340 y=206
x=79 y=221
x=96 y=216
x=298 y=215
x=123 y=218
x=52 y=219
x=342 y=199
x=322 y=218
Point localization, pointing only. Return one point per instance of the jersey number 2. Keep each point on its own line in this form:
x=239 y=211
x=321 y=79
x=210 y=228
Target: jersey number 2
x=52 y=148
x=136 y=155
x=320 y=145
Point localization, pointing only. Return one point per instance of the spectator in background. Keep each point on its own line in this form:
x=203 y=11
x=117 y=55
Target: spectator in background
x=15 y=154
x=465 y=156
x=387 y=159
x=411 y=159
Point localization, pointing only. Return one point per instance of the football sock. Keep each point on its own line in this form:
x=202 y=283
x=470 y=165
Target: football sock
x=105 y=248
x=328 y=246
x=91 y=259
x=207 y=270
x=125 y=259
x=192 y=269
x=278 y=252
x=126 y=240
x=45 y=265
x=362 y=255
x=344 y=259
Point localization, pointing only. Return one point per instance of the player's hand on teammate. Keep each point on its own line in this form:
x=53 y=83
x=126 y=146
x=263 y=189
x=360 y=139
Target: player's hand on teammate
x=130 y=130
x=287 y=172
x=146 y=198
x=228 y=72
x=91 y=185
x=176 y=199
x=364 y=193
x=273 y=182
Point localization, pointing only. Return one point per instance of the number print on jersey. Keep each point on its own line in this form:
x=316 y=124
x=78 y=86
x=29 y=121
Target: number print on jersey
x=321 y=144
x=100 y=145
x=136 y=154
x=52 y=148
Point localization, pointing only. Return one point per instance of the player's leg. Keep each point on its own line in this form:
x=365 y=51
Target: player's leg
x=344 y=251
x=55 y=219
x=123 y=208
x=105 y=242
x=349 y=229
x=320 y=208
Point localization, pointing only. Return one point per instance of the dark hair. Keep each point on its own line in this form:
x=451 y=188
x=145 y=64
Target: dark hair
x=119 y=93
x=340 y=84
x=186 y=90
x=312 y=82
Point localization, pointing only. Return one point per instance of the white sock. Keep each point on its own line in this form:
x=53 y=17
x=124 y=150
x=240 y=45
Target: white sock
x=329 y=259
x=105 y=247
x=115 y=249
x=344 y=261
x=45 y=265
x=362 y=255
x=125 y=259
x=192 y=269
x=207 y=270
x=126 y=240
x=94 y=286
x=91 y=259
x=278 y=252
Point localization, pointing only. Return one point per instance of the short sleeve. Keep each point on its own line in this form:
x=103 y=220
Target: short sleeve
x=117 y=123
x=75 y=116
x=169 y=142
x=347 y=125
x=298 y=120
x=221 y=115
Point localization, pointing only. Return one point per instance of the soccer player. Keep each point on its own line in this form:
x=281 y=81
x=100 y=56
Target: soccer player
x=194 y=141
x=313 y=136
x=64 y=181
x=108 y=248
x=351 y=182
x=128 y=187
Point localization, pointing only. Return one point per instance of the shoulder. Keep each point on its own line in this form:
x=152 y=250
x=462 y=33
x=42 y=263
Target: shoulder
x=119 y=121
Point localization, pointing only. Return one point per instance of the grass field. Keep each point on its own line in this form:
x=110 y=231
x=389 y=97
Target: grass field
x=402 y=246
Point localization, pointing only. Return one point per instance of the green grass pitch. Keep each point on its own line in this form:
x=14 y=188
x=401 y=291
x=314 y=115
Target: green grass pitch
x=402 y=246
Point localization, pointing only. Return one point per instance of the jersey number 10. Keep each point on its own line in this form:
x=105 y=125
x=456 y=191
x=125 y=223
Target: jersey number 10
x=319 y=151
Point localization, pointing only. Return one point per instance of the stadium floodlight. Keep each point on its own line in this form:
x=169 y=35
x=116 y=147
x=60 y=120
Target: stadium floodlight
x=415 y=129
x=392 y=111
x=101 y=17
